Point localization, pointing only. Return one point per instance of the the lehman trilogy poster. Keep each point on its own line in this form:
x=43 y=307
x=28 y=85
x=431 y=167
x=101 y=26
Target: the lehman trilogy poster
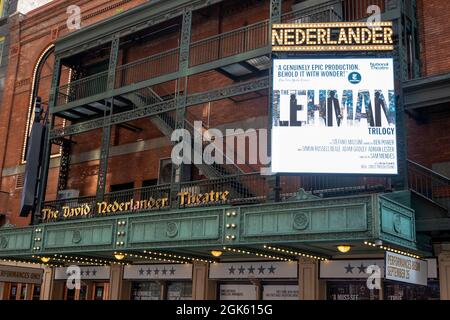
x=334 y=116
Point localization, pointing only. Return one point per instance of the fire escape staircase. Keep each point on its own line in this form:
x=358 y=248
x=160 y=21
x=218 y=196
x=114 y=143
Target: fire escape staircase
x=429 y=185
x=165 y=122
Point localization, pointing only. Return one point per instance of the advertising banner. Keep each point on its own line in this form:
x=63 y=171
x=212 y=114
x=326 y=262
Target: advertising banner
x=334 y=116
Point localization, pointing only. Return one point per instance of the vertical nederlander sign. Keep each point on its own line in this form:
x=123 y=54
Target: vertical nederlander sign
x=333 y=36
x=334 y=115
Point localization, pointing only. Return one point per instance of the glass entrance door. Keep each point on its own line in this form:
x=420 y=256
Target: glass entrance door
x=101 y=291
x=15 y=291
x=87 y=291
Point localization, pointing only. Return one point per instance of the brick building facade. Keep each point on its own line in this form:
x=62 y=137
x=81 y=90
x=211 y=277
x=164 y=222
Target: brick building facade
x=31 y=36
x=125 y=81
x=429 y=141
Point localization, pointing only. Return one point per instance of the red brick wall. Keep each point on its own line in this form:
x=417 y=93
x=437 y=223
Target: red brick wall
x=36 y=32
x=429 y=141
x=434 y=26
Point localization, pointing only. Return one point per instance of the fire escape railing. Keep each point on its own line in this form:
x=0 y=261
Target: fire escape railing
x=227 y=44
x=429 y=184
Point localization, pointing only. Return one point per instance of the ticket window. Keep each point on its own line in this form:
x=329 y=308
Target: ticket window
x=351 y=290
x=403 y=291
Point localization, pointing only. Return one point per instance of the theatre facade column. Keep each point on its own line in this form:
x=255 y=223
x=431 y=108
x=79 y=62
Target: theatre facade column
x=117 y=287
x=47 y=284
x=202 y=287
x=310 y=288
x=444 y=274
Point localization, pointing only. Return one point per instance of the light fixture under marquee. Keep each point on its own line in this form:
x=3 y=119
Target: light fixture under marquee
x=344 y=248
x=216 y=253
x=45 y=259
x=119 y=256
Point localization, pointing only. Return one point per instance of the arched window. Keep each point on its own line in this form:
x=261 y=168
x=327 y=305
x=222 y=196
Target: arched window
x=45 y=61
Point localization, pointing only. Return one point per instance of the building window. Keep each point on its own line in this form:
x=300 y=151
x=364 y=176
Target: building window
x=149 y=183
x=120 y=192
x=2 y=43
x=4 y=4
x=122 y=187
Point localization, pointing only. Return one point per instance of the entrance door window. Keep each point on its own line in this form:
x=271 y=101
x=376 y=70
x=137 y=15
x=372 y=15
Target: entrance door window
x=83 y=292
x=13 y=291
x=146 y=291
x=350 y=290
x=99 y=292
x=70 y=294
x=88 y=291
x=23 y=292
x=36 y=292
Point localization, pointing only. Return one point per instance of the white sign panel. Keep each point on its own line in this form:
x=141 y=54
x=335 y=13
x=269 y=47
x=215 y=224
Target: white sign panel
x=158 y=271
x=272 y=292
x=237 y=292
x=21 y=275
x=348 y=269
x=253 y=270
x=342 y=269
x=87 y=273
x=432 y=268
x=334 y=116
x=406 y=269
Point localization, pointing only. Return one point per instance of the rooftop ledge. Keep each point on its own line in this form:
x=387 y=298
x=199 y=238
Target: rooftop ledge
x=427 y=91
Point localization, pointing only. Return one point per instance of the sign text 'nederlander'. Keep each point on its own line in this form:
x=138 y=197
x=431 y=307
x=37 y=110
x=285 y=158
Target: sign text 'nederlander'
x=340 y=36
